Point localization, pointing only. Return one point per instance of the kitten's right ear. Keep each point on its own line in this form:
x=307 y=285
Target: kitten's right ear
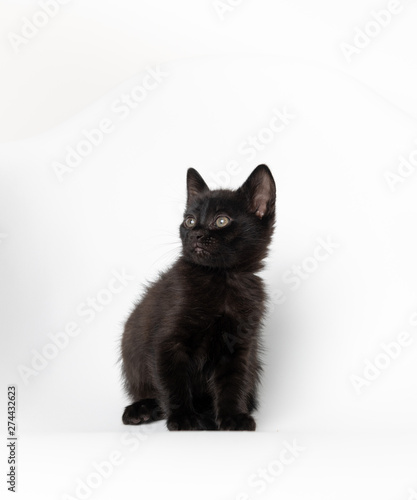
x=195 y=185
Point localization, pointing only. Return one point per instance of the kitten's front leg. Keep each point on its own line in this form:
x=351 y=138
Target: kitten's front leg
x=174 y=377
x=233 y=382
x=174 y=372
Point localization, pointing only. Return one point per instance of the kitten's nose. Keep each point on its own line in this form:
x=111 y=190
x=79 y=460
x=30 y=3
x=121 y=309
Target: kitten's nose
x=197 y=234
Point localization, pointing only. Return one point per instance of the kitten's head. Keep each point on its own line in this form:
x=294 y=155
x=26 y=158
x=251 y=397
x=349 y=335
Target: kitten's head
x=227 y=229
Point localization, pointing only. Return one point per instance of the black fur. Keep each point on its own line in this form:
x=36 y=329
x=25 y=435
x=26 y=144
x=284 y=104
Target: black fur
x=190 y=348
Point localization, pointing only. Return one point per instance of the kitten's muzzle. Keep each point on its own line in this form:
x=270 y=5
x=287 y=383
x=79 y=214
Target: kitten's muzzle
x=200 y=248
x=201 y=243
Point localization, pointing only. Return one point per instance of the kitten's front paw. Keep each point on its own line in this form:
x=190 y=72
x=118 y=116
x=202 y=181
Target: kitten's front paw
x=240 y=422
x=143 y=411
x=182 y=422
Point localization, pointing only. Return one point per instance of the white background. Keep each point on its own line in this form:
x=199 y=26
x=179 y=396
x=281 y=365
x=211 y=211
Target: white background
x=63 y=237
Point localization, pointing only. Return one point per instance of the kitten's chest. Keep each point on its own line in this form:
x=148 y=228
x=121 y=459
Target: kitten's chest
x=226 y=296
x=225 y=312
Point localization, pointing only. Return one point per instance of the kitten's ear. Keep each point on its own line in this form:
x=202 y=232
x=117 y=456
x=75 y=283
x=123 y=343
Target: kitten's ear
x=260 y=192
x=195 y=185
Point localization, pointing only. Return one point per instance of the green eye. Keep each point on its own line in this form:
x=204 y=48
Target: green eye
x=222 y=221
x=190 y=222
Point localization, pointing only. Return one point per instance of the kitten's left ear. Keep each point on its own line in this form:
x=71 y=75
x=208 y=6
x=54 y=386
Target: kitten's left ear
x=195 y=185
x=260 y=191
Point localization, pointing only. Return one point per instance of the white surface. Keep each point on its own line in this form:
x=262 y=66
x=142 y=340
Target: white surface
x=217 y=83
x=220 y=465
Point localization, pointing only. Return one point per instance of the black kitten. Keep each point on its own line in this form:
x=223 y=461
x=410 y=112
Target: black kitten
x=190 y=348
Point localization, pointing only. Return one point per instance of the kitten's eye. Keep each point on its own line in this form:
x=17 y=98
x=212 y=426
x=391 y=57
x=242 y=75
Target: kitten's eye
x=222 y=221
x=190 y=222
